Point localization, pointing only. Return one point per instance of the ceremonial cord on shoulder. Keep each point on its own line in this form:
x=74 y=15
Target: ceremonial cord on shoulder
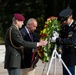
x=21 y=47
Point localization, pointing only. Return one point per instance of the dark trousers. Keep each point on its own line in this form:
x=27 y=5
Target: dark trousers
x=13 y=71
x=71 y=69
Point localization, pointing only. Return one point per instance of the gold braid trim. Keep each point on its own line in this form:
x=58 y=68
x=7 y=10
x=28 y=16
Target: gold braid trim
x=21 y=47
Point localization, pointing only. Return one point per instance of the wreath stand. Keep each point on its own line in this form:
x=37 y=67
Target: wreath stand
x=54 y=56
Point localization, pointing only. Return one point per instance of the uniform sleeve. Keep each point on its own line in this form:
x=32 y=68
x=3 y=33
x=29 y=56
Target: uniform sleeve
x=71 y=39
x=18 y=40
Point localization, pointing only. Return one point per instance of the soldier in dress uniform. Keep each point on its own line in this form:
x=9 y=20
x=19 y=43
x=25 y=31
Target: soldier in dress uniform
x=15 y=45
x=68 y=40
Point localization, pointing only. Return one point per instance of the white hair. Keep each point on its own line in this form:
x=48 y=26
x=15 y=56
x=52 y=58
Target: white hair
x=30 y=21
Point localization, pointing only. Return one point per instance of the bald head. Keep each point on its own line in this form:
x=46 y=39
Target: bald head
x=31 y=20
x=31 y=24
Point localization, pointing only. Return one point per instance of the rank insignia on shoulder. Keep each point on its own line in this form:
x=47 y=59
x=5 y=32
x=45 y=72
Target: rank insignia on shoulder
x=70 y=34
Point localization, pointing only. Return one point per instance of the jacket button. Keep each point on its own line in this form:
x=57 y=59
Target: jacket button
x=16 y=54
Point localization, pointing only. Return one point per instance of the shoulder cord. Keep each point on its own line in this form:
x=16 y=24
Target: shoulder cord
x=21 y=47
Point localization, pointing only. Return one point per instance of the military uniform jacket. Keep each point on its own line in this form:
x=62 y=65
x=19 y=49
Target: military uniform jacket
x=13 y=56
x=68 y=40
x=29 y=51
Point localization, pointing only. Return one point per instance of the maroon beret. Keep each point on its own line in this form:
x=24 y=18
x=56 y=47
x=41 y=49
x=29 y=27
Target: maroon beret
x=19 y=17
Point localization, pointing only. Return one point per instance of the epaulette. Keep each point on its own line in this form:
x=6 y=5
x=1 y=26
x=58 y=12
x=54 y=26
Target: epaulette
x=75 y=25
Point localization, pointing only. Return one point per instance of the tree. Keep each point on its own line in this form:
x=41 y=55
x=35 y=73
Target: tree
x=38 y=9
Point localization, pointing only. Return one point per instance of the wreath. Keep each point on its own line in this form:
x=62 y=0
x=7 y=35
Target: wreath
x=52 y=24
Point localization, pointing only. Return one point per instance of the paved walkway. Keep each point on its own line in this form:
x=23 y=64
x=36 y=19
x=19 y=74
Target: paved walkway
x=39 y=68
x=2 y=54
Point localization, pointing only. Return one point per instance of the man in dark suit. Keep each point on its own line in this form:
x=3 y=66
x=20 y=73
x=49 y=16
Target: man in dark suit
x=15 y=45
x=29 y=55
x=67 y=40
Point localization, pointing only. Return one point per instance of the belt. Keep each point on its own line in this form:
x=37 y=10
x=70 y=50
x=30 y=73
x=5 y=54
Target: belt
x=71 y=46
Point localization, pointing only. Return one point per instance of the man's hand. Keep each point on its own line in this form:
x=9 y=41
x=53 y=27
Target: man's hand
x=55 y=36
x=42 y=43
x=53 y=39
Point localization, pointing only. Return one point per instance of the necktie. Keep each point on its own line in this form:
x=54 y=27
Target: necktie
x=31 y=36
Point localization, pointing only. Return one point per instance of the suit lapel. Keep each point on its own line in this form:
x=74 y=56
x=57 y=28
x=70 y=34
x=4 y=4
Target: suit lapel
x=28 y=35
